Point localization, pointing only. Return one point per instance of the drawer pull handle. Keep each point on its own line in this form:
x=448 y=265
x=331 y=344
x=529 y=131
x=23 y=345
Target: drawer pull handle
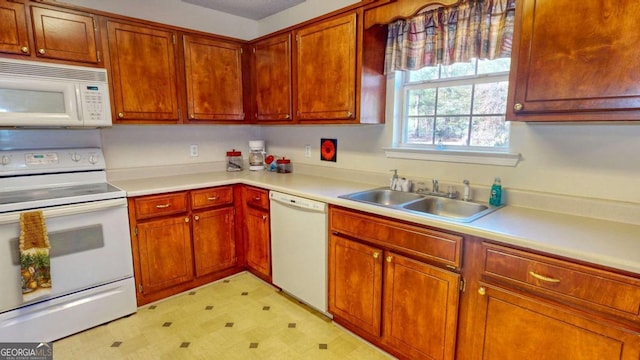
x=257 y=198
x=212 y=198
x=482 y=291
x=163 y=206
x=543 y=278
x=376 y=255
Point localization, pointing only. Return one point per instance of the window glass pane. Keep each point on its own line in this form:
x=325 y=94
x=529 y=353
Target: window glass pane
x=458 y=69
x=421 y=102
x=428 y=73
x=490 y=98
x=454 y=100
x=489 y=131
x=491 y=66
x=419 y=130
x=452 y=130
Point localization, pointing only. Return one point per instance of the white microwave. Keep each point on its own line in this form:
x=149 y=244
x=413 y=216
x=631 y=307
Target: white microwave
x=37 y=94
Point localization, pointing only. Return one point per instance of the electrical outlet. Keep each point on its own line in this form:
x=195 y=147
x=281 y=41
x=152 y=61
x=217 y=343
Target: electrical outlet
x=307 y=151
x=193 y=150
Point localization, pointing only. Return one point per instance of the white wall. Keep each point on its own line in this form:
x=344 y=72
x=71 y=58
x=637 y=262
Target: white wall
x=177 y=13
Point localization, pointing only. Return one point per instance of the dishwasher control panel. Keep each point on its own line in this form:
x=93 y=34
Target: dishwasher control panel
x=297 y=201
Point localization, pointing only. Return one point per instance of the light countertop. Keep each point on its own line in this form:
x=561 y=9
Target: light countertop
x=606 y=243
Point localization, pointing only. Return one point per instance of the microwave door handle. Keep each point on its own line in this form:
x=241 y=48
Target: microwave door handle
x=79 y=109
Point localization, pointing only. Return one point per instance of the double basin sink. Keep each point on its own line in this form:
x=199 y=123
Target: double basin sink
x=422 y=204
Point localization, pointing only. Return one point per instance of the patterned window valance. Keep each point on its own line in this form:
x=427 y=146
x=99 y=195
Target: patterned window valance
x=480 y=29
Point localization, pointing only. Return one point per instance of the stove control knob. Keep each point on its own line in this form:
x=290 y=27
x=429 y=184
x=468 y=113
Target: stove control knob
x=93 y=159
x=5 y=160
x=76 y=157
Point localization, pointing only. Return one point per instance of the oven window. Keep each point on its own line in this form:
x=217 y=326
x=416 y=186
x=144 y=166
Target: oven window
x=30 y=101
x=67 y=242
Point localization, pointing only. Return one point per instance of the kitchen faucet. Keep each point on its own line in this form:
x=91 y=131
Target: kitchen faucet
x=435 y=185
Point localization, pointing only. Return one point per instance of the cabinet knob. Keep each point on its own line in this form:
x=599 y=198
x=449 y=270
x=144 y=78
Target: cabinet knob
x=518 y=107
x=264 y=217
x=41 y=51
x=196 y=218
x=482 y=291
x=389 y=258
x=24 y=49
x=186 y=219
x=120 y=115
x=349 y=114
x=192 y=116
x=376 y=255
x=287 y=116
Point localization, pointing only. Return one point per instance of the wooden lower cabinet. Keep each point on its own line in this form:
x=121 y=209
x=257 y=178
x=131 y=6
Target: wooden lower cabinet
x=355 y=283
x=406 y=306
x=516 y=326
x=214 y=240
x=258 y=245
x=165 y=252
x=420 y=308
x=182 y=240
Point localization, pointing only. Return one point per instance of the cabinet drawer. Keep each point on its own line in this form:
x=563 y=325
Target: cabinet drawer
x=205 y=198
x=257 y=197
x=160 y=205
x=426 y=243
x=590 y=287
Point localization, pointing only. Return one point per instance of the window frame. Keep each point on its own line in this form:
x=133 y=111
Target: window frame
x=437 y=152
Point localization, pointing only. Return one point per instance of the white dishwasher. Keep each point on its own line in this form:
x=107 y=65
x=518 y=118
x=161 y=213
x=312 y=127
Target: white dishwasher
x=299 y=248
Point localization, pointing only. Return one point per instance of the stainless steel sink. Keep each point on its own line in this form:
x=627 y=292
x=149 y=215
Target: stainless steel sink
x=385 y=197
x=422 y=204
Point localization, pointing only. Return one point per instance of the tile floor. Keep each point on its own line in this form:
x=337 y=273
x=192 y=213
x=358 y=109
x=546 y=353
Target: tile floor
x=240 y=317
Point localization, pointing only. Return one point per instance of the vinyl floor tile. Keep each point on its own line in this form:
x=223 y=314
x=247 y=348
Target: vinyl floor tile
x=218 y=322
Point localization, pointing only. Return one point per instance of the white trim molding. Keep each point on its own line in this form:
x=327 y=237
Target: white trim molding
x=457 y=156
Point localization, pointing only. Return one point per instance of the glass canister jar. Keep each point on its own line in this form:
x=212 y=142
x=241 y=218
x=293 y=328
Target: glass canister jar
x=284 y=166
x=234 y=160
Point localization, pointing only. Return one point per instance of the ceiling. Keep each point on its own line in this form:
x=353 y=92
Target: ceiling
x=251 y=9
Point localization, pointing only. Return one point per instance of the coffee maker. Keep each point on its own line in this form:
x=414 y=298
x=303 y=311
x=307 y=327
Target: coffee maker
x=257 y=154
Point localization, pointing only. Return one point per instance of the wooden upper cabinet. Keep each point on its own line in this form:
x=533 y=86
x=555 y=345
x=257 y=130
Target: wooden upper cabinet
x=575 y=61
x=214 y=79
x=143 y=72
x=14 y=35
x=272 y=84
x=325 y=70
x=64 y=35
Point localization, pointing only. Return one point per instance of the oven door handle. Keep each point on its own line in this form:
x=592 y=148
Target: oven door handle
x=67 y=210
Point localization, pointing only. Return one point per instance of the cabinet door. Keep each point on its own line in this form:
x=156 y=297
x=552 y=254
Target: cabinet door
x=272 y=69
x=420 y=308
x=214 y=79
x=514 y=326
x=325 y=68
x=14 y=35
x=143 y=69
x=355 y=283
x=64 y=35
x=165 y=253
x=214 y=242
x=562 y=71
x=258 y=241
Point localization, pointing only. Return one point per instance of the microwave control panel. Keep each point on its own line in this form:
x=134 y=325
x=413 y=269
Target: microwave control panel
x=96 y=110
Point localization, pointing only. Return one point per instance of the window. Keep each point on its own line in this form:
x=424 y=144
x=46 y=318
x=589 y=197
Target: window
x=460 y=106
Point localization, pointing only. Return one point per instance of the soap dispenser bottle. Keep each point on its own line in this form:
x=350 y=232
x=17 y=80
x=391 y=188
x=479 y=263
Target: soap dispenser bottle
x=394 y=180
x=496 y=193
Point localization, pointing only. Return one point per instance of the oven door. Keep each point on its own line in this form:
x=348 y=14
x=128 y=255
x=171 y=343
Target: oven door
x=90 y=246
